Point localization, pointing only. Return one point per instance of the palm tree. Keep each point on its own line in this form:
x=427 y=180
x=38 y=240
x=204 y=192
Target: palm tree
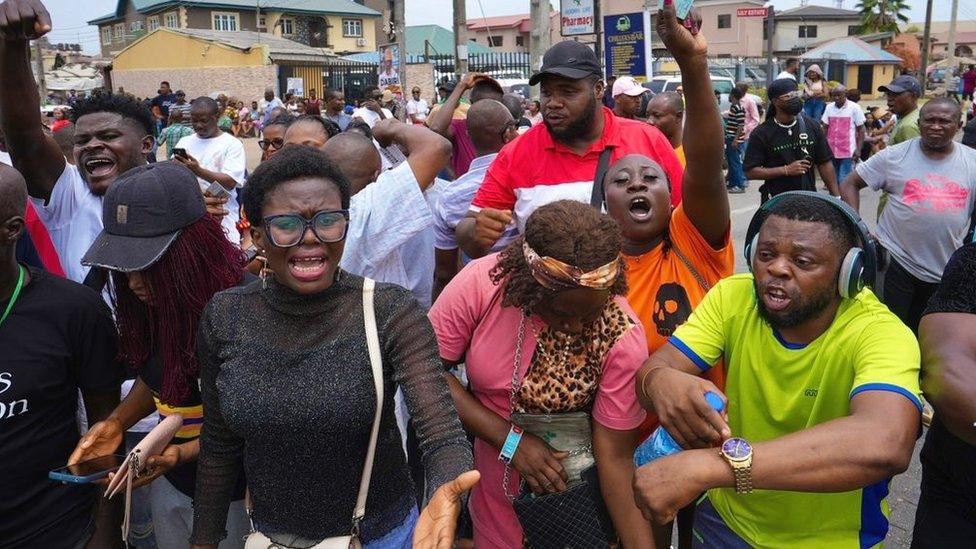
x=882 y=15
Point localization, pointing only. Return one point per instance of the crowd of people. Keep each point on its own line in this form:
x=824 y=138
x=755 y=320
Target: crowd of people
x=423 y=325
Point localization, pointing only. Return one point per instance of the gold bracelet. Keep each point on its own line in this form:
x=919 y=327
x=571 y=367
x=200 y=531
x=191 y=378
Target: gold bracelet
x=644 y=379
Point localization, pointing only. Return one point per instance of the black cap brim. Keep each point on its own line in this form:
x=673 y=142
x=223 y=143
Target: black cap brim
x=127 y=253
x=565 y=72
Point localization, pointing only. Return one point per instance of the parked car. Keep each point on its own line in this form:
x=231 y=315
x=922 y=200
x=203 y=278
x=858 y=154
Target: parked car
x=721 y=84
x=937 y=77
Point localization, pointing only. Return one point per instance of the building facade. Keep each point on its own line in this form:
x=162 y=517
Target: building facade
x=803 y=28
x=336 y=26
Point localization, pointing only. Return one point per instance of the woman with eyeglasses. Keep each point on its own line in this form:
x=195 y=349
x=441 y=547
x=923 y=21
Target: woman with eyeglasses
x=288 y=388
x=273 y=135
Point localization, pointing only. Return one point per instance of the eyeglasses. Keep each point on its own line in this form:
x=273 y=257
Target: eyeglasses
x=288 y=230
x=275 y=144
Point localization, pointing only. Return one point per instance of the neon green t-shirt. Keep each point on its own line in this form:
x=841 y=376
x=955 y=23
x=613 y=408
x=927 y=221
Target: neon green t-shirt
x=776 y=388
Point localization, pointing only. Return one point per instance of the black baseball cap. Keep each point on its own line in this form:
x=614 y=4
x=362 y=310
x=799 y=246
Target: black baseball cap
x=447 y=85
x=903 y=83
x=143 y=212
x=569 y=59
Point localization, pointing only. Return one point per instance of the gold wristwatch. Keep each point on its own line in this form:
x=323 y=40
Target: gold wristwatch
x=738 y=453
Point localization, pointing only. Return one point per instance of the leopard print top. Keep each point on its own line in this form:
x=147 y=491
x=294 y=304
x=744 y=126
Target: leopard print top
x=566 y=369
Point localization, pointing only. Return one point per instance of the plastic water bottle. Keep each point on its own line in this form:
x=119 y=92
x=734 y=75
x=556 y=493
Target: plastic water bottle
x=661 y=444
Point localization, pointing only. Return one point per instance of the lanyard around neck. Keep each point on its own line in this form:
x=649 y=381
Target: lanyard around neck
x=14 y=296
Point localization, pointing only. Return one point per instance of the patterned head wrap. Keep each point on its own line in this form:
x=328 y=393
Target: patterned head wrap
x=556 y=275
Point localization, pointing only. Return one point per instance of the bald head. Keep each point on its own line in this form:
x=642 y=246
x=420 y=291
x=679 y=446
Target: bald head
x=13 y=193
x=13 y=203
x=356 y=156
x=514 y=104
x=487 y=123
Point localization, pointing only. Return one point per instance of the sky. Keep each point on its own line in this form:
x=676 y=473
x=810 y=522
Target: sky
x=70 y=15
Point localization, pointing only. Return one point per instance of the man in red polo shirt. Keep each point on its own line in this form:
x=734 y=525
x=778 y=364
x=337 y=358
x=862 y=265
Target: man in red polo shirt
x=558 y=160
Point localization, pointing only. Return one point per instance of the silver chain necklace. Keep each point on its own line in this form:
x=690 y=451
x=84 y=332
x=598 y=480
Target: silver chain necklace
x=787 y=127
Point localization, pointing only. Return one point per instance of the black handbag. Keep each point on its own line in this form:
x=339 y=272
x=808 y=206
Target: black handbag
x=576 y=518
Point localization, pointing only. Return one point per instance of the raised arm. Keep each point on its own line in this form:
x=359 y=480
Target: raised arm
x=703 y=190
x=874 y=443
x=440 y=120
x=427 y=152
x=34 y=154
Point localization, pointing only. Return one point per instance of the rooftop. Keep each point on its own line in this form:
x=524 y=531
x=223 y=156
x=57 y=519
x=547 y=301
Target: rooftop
x=280 y=49
x=311 y=7
x=853 y=50
x=436 y=40
x=522 y=21
x=817 y=12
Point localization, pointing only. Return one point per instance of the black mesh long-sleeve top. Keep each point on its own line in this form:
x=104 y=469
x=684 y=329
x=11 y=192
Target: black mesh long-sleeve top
x=288 y=392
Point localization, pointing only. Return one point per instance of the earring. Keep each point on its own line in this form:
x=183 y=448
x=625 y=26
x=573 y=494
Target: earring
x=265 y=271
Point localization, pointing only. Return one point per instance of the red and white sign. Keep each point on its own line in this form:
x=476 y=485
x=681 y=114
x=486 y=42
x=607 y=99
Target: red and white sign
x=751 y=12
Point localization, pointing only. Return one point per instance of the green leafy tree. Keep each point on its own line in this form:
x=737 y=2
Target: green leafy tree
x=882 y=15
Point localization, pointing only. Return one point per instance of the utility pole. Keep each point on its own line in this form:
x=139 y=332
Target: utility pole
x=539 y=37
x=952 y=34
x=460 y=38
x=400 y=28
x=770 y=29
x=925 y=45
x=39 y=60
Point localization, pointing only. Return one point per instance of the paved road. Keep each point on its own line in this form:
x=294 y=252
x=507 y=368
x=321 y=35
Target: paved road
x=905 y=487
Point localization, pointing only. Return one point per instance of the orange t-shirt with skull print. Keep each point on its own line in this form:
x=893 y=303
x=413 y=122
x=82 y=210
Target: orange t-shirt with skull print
x=663 y=290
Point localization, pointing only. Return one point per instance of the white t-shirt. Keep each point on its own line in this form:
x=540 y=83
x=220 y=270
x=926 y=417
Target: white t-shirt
x=420 y=108
x=785 y=74
x=842 y=124
x=73 y=217
x=5 y=159
x=929 y=204
x=223 y=154
x=369 y=116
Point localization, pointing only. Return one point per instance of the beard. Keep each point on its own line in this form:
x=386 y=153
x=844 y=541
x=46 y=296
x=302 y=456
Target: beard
x=578 y=127
x=801 y=310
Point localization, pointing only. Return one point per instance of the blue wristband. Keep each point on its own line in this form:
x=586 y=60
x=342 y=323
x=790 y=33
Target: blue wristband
x=511 y=444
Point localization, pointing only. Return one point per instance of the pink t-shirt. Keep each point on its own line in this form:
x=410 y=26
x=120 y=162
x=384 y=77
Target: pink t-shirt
x=471 y=325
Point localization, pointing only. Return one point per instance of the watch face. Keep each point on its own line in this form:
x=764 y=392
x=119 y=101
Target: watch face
x=736 y=448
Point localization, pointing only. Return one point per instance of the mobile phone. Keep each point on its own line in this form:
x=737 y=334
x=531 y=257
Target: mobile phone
x=87 y=471
x=217 y=190
x=180 y=152
x=681 y=7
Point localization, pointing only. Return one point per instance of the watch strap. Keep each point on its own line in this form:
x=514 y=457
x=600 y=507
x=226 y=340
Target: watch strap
x=742 y=472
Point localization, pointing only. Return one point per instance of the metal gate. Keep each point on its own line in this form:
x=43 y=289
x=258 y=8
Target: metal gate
x=352 y=77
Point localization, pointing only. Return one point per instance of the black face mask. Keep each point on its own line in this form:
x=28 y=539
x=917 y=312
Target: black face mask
x=793 y=106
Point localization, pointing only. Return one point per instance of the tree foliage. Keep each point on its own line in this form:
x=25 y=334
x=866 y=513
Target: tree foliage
x=882 y=15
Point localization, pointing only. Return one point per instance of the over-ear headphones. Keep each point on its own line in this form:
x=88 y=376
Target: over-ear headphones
x=860 y=265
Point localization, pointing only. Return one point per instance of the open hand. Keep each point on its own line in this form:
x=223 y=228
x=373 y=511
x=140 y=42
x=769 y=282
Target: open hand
x=104 y=438
x=470 y=79
x=438 y=521
x=681 y=38
x=24 y=20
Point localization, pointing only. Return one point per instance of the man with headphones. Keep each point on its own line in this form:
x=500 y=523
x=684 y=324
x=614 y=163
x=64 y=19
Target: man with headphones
x=822 y=391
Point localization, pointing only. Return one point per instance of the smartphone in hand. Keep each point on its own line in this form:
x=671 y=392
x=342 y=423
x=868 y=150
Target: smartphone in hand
x=87 y=471
x=180 y=152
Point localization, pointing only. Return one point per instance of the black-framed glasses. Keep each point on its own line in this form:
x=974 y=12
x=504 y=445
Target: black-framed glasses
x=288 y=230
x=275 y=144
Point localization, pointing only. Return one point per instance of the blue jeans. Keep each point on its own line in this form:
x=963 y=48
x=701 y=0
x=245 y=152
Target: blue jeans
x=710 y=531
x=733 y=156
x=814 y=108
x=843 y=167
x=141 y=534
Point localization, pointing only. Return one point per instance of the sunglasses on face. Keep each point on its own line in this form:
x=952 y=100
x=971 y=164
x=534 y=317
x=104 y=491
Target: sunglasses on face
x=275 y=144
x=288 y=230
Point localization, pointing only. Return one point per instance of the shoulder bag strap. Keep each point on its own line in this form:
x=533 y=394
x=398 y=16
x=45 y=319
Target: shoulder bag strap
x=376 y=361
x=596 y=197
x=691 y=267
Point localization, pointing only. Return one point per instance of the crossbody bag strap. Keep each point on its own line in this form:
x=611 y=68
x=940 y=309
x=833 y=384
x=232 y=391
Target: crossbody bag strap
x=691 y=267
x=376 y=361
x=596 y=196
